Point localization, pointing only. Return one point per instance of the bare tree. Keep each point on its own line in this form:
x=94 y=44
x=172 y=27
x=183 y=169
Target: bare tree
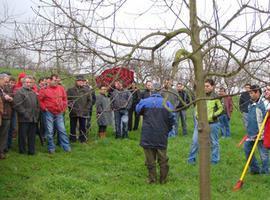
x=207 y=39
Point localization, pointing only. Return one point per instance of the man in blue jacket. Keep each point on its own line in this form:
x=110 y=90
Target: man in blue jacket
x=158 y=120
x=255 y=116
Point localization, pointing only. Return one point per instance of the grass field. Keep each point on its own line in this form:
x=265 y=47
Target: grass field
x=114 y=169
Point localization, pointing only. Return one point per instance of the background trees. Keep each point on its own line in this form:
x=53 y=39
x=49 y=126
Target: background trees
x=185 y=40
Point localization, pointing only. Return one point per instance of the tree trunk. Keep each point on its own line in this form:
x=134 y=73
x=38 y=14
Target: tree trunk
x=204 y=130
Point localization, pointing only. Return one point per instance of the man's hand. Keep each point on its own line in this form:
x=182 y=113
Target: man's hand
x=8 y=98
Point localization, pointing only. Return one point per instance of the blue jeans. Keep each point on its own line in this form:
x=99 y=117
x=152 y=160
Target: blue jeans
x=245 y=119
x=172 y=133
x=183 y=116
x=224 y=122
x=121 y=123
x=263 y=152
x=12 y=127
x=56 y=121
x=214 y=143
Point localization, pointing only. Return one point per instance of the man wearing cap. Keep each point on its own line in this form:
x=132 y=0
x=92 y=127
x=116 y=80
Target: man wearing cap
x=79 y=101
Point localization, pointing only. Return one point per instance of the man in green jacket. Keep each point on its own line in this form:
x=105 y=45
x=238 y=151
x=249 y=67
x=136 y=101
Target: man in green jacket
x=214 y=110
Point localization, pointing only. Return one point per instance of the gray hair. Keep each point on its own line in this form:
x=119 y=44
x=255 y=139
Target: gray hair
x=2 y=76
x=26 y=77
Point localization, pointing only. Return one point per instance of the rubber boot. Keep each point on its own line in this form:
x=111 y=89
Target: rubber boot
x=152 y=175
x=164 y=169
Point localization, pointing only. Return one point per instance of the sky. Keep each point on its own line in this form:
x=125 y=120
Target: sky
x=127 y=18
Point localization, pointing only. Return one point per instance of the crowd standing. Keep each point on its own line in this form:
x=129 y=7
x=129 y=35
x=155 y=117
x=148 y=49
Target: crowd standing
x=39 y=109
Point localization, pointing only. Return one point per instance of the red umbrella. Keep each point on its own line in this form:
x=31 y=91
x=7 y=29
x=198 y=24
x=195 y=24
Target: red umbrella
x=108 y=76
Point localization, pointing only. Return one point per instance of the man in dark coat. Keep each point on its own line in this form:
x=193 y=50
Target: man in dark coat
x=5 y=113
x=158 y=120
x=27 y=107
x=184 y=99
x=244 y=102
x=79 y=102
x=135 y=99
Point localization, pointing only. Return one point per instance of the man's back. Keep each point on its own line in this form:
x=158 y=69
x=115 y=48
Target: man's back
x=157 y=121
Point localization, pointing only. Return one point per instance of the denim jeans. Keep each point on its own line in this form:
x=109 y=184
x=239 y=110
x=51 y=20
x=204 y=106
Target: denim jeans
x=12 y=127
x=183 y=117
x=245 y=119
x=56 y=121
x=121 y=123
x=214 y=143
x=263 y=152
x=195 y=144
x=224 y=122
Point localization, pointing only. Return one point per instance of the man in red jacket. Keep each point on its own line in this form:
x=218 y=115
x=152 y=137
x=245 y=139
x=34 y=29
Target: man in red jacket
x=53 y=103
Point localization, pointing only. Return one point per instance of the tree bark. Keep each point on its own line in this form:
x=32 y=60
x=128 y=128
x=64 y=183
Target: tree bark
x=204 y=129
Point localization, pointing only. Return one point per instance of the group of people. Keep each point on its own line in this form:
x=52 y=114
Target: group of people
x=254 y=104
x=37 y=108
x=40 y=108
x=159 y=120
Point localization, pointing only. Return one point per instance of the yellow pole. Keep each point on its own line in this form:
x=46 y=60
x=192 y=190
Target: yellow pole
x=240 y=182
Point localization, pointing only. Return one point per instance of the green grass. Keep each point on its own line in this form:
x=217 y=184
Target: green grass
x=114 y=169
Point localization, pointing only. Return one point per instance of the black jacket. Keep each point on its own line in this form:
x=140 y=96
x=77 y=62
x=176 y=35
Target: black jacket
x=146 y=93
x=79 y=101
x=26 y=105
x=244 y=101
x=157 y=121
x=183 y=99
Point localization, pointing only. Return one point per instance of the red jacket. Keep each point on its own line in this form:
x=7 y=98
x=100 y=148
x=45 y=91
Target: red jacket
x=53 y=99
x=228 y=104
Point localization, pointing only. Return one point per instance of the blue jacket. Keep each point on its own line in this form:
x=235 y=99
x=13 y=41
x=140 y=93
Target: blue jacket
x=157 y=121
x=256 y=113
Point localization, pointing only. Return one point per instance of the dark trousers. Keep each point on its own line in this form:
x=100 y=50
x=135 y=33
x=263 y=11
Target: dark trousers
x=4 y=134
x=130 y=119
x=151 y=155
x=27 y=135
x=82 y=129
x=101 y=128
x=88 y=120
x=12 y=128
x=41 y=126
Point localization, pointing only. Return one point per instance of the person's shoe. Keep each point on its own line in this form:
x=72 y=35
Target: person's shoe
x=192 y=161
x=163 y=181
x=214 y=162
x=254 y=172
x=152 y=182
x=2 y=156
x=264 y=172
x=51 y=151
x=67 y=150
